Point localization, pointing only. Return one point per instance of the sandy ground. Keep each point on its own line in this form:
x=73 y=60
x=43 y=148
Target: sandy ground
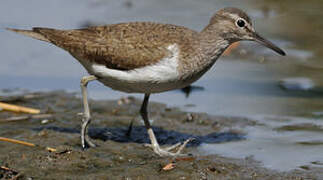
x=122 y=155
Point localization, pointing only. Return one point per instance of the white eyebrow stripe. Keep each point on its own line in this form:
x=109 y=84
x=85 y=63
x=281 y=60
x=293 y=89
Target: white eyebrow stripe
x=236 y=17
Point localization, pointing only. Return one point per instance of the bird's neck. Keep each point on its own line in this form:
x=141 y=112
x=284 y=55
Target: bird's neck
x=209 y=47
x=211 y=44
x=206 y=49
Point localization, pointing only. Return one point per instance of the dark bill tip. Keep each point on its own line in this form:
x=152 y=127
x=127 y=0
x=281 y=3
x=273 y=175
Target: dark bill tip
x=268 y=44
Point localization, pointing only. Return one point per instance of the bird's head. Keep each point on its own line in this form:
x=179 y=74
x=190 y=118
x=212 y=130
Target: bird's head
x=233 y=25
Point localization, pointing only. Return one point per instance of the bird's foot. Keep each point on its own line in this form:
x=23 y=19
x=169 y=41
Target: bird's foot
x=85 y=139
x=87 y=142
x=167 y=151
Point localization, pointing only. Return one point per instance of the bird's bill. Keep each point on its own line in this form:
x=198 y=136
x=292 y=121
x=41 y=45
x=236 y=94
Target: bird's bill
x=268 y=44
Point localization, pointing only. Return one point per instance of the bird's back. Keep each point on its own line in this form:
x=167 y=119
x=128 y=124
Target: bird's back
x=122 y=46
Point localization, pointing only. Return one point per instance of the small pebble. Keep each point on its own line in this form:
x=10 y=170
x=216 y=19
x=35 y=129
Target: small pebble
x=243 y=52
x=317 y=163
x=297 y=84
x=125 y=100
x=44 y=121
x=261 y=59
x=305 y=167
x=42 y=133
x=189 y=117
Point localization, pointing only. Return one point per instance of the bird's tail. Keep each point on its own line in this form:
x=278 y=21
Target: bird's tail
x=34 y=33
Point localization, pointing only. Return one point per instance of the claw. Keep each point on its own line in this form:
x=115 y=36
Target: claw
x=166 y=151
x=154 y=143
x=184 y=144
x=89 y=142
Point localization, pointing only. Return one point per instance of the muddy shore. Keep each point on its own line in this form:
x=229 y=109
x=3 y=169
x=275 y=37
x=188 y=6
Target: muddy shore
x=120 y=154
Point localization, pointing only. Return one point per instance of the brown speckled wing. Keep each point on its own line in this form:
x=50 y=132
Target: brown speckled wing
x=120 y=46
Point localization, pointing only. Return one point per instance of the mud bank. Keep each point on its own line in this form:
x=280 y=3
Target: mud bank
x=122 y=154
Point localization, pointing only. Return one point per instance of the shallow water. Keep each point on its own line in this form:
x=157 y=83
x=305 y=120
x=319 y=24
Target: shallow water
x=247 y=83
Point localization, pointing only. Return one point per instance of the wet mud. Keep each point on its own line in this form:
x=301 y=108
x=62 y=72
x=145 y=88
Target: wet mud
x=122 y=153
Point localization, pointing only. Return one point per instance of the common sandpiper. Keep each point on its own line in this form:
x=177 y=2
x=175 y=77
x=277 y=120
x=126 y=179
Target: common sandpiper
x=148 y=57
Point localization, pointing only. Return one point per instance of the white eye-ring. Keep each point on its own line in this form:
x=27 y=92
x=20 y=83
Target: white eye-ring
x=241 y=22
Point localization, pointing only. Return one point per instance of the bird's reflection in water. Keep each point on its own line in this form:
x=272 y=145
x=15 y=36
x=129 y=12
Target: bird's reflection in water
x=191 y=88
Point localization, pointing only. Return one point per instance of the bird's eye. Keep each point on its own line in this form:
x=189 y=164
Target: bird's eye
x=241 y=23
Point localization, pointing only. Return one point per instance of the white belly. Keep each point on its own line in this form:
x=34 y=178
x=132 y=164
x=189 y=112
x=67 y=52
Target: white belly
x=140 y=87
x=159 y=77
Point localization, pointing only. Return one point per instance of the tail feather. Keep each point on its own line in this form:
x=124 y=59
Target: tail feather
x=31 y=33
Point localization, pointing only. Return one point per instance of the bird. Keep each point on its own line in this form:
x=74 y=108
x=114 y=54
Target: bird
x=149 y=57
